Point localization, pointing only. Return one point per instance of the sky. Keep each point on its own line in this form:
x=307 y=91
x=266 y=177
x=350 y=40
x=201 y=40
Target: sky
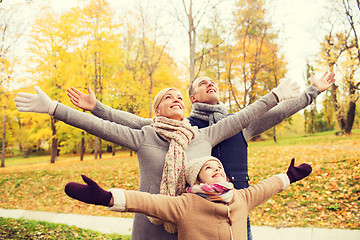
x=296 y=20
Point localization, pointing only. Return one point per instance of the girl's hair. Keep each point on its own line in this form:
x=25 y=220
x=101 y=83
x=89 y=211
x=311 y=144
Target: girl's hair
x=159 y=96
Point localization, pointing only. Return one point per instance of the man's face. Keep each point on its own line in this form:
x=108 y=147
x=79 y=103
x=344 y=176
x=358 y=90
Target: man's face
x=206 y=91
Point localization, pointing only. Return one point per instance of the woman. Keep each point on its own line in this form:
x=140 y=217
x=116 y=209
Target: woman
x=212 y=208
x=163 y=147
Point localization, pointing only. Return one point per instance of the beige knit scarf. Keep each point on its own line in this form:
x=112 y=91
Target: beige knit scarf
x=179 y=135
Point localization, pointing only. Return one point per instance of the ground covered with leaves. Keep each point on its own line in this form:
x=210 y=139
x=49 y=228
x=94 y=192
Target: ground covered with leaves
x=329 y=197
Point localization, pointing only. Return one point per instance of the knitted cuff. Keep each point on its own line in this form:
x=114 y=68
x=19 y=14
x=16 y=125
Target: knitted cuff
x=278 y=94
x=119 y=200
x=97 y=109
x=313 y=91
x=52 y=108
x=285 y=180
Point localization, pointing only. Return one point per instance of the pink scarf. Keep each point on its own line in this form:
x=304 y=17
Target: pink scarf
x=217 y=192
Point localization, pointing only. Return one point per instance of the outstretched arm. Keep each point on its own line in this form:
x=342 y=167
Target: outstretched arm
x=233 y=124
x=88 y=102
x=289 y=107
x=156 y=205
x=260 y=192
x=116 y=133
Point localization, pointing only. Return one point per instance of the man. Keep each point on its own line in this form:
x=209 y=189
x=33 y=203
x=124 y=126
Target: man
x=207 y=110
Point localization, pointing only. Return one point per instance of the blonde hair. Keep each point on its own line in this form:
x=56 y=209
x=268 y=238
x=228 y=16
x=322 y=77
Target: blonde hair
x=159 y=96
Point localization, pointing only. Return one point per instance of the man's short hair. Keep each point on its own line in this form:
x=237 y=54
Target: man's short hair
x=192 y=88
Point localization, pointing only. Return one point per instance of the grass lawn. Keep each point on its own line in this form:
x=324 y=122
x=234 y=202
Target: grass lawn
x=28 y=229
x=329 y=197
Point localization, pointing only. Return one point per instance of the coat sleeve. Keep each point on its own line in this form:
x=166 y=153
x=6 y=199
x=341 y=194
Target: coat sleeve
x=106 y=130
x=164 y=207
x=282 y=111
x=233 y=124
x=265 y=189
x=120 y=117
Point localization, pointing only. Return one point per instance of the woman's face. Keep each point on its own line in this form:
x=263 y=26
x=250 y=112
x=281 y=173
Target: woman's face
x=212 y=172
x=171 y=106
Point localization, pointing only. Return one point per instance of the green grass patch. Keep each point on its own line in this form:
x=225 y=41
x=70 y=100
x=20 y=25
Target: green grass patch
x=29 y=229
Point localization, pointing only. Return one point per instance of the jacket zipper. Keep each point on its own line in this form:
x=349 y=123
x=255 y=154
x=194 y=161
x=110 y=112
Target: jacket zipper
x=230 y=222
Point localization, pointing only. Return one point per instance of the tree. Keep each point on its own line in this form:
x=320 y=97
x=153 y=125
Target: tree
x=96 y=52
x=152 y=51
x=11 y=31
x=146 y=60
x=194 y=13
x=340 y=49
x=257 y=51
x=51 y=48
x=311 y=113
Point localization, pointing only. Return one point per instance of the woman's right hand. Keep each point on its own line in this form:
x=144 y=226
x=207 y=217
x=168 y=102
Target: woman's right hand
x=82 y=100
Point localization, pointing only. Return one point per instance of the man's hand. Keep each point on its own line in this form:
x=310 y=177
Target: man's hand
x=81 y=100
x=323 y=83
x=287 y=89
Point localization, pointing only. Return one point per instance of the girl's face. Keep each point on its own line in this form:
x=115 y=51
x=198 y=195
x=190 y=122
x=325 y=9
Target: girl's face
x=171 y=105
x=212 y=172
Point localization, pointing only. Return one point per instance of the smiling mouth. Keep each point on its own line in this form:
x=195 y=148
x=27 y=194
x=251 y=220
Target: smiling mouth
x=176 y=106
x=217 y=174
x=211 y=91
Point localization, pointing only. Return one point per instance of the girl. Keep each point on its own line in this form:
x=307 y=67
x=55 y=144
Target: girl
x=212 y=208
x=163 y=147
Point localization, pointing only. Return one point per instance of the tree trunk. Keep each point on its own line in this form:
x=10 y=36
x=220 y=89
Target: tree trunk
x=95 y=91
x=20 y=145
x=82 y=146
x=274 y=134
x=54 y=142
x=339 y=113
x=114 y=149
x=350 y=117
x=96 y=147
x=4 y=139
x=100 y=148
x=192 y=43
x=150 y=95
